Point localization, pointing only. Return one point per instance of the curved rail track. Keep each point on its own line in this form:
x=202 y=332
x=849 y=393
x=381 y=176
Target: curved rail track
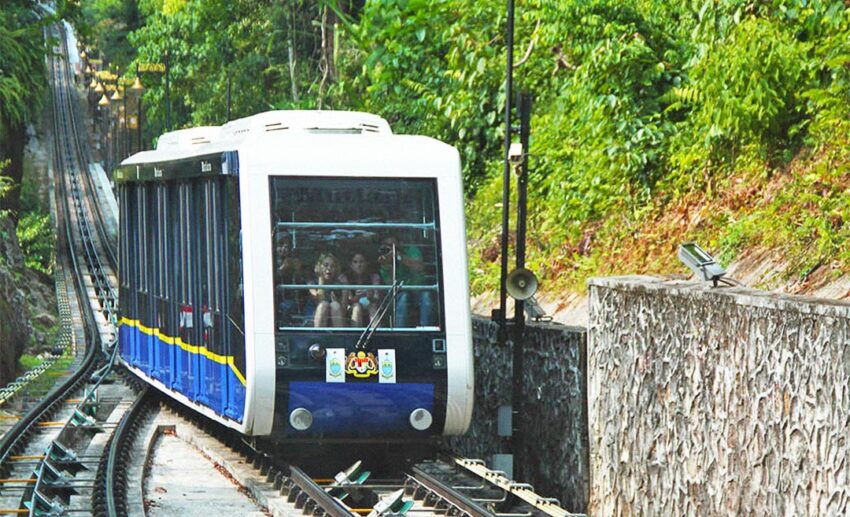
x=446 y=485
x=83 y=466
x=41 y=460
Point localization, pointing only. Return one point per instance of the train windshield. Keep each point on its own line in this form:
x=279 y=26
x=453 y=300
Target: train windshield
x=356 y=253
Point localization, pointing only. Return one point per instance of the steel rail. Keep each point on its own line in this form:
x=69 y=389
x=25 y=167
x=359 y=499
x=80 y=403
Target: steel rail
x=449 y=494
x=522 y=491
x=114 y=490
x=84 y=160
x=324 y=500
x=13 y=440
x=81 y=158
x=116 y=494
x=62 y=94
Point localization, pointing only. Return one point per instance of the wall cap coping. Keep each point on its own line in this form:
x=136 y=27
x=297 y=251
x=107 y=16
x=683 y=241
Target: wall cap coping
x=744 y=296
x=543 y=325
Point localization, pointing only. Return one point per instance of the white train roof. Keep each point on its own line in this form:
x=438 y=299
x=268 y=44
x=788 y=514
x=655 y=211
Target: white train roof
x=195 y=141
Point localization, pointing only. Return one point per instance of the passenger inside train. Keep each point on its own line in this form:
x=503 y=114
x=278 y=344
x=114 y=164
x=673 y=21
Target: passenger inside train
x=331 y=302
x=363 y=302
x=363 y=236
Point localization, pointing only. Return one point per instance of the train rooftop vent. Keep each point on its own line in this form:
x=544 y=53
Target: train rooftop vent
x=188 y=138
x=316 y=122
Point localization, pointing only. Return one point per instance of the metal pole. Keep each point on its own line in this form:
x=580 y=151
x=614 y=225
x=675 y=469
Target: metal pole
x=229 y=79
x=139 y=135
x=126 y=139
x=111 y=139
x=167 y=98
x=506 y=188
x=105 y=136
x=519 y=305
x=522 y=181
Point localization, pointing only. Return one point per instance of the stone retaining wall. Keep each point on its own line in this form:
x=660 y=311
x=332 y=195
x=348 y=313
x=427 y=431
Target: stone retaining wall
x=716 y=401
x=554 y=458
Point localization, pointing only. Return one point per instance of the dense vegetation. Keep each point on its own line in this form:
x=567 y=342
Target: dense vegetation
x=719 y=120
x=23 y=84
x=23 y=79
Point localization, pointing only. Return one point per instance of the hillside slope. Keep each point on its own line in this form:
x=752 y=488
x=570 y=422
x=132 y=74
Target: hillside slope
x=783 y=229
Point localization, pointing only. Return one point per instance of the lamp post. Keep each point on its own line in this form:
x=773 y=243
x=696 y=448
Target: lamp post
x=521 y=283
x=103 y=105
x=126 y=141
x=97 y=99
x=116 y=147
x=138 y=90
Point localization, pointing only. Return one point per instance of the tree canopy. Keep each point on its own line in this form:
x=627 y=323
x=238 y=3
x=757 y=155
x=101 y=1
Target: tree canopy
x=639 y=104
x=23 y=81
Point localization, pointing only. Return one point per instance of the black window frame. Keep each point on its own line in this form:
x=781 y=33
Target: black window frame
x=435 y=226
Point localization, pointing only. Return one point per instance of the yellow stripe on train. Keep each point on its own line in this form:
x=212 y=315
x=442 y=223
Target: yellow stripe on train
x=192 y=349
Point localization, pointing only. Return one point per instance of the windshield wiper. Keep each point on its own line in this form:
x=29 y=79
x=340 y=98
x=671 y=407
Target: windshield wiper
x=386 y=303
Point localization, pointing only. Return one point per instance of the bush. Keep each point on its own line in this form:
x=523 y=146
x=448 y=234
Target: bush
x=745 y=96
x=35 y=236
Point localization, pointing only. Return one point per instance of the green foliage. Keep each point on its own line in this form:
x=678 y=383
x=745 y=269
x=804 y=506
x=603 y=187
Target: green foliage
x=28 y=362
x=641 y=108
x=36 y=238
x=830 y=96
x=109 y=22
x=211 y=44
x=427 y=73
x=22 y=71
x=745 y=94
x=6 y=184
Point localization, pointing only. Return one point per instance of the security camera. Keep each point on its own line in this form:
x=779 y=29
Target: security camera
x=700 y=262
x=515 y=154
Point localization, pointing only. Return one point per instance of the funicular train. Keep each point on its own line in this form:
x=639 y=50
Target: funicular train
x=299 y=274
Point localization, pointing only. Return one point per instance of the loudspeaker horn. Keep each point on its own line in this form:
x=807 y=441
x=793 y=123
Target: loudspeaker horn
x=521 y=284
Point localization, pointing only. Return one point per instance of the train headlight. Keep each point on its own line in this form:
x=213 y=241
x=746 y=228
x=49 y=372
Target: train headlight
x=421 y=419
x=301 y=419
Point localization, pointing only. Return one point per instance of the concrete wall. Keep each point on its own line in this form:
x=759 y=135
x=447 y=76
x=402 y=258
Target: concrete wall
x=716 y=401
x=554 y=419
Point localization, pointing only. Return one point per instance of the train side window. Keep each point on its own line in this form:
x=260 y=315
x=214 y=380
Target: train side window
x=162 y=265
x=235 y=296
x=184 y=238
x=143 y=253
x=211 y=246
x=140 y=237
x=133 y=254
x=122 y=245
x=153 y=249
x=174 y=258
x=197 y=236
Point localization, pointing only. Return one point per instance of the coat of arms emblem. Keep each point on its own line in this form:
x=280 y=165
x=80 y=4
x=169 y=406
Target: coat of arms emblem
x=361 y=365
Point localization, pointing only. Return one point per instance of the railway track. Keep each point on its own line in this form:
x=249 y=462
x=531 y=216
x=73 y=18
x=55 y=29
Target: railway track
x=70 y=452
x=49 y=457
x=443 y=486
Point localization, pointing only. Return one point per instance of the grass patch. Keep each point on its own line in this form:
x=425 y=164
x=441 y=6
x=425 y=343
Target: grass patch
x=45 y=382
x=28 y=362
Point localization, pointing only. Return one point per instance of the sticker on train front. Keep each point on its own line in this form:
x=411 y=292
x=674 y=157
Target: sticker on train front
x=361 y=365
x=386 y=359
x=335 y=365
